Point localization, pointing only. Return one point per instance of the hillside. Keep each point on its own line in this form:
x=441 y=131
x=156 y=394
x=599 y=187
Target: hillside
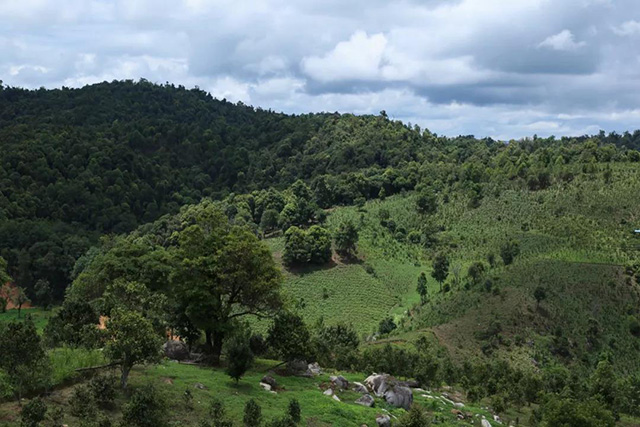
x=504 y=272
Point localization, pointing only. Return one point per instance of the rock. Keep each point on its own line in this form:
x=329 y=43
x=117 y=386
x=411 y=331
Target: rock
x=175 y=350
x=400 y=397
x=339 y=382
x=366 y=400
x=383 y=420
x=359 y=388
x=328 y=392
x=336 y=398
x=379 y=384
x=485 y=423
x=458 y=405
x=409 y=383
x=297 y=367
x=268 y=379
x=200 y=386
x=265 y=386
x=314 y=369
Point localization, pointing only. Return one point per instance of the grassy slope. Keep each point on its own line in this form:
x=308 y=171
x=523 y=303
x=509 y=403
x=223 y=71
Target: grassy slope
x=172 y=379
x=39 y=316
x=575 y=239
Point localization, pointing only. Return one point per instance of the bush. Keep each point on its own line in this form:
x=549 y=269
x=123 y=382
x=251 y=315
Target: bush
x=33 y=413
x=416 y=417
x=294 y=410
x=146 y=408
x=103 y=390
x=82 y=404
x=252 y=414
x=239 y=358
x=509 y=251
x=386 y=325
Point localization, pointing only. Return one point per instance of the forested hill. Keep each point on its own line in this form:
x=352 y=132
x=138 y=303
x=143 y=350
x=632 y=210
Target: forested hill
x=78 y=163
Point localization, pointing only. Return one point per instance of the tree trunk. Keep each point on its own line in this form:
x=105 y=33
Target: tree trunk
x=125 y=376
x=19 y=308
x=218 y=337
x=208 y=345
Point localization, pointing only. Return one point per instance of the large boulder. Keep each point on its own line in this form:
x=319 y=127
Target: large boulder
x=366 y=400
x=313 y=369
x=379 y=383
x=339 y=382
x=383 y=420
x=399 y=396
x=268 y=379
x=297 y=367
x=175 y=350
x=359 y=387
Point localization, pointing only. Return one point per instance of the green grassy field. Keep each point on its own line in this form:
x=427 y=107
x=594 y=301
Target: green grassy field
x=40 y=317
x=172 y=379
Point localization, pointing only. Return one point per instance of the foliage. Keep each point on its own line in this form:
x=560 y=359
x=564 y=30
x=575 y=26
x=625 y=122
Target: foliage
x=82 y=403
x=22 y=357
x=252 y=414
x=293 y=411
x=386 y=325
x=146 y=408
x=509 y=251
x=289 y=337
x=310 y=246
x=416 y=417
x=33 y=413
x=72 y=325
x=346 y=238
x=422 y=288
x=440 y=268
x=131 y=340
x=239 y=357
x=572 y=413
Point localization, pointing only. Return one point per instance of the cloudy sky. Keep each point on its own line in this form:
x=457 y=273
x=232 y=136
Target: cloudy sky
x=499 y=68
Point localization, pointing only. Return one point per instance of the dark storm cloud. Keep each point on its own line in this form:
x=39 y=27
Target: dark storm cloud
x=487 y=67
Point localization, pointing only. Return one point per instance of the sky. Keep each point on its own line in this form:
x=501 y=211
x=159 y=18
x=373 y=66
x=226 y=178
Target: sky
x=498 y=68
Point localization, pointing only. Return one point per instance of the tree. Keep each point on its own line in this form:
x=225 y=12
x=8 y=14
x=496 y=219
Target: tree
x=539 y=294
x=572 y=413
x=269 y=220
x=476 y=271
x=239 y=357
x=386 y=325
x=422 y=288
x=131 y=341
x=252 y=414
x=4 y=276
x=289 y=337
x=224 y=273
x=509 y=251
x=72 y=324
x=427 y=203
x=19 y=298
x=346 y=238
x=44 y=294
x=319 y=243
x=296 y=249
x=440 y=269
x=22 y=357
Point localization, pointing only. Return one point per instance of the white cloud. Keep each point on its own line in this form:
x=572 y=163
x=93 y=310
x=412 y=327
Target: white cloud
x=564 y=41
x=629 y=28
x=359 y=58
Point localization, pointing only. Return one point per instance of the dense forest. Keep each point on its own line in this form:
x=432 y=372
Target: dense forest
x=78 y=163
x=501 y=273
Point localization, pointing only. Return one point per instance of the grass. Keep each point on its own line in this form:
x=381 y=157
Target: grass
x=40 y=316
x=172 y=379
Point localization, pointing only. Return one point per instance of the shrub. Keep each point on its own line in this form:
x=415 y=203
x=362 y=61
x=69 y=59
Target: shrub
x=294 y=410
x=33 y=413
x=82 y=404
x=146 y=408
x=509 y=251
x=239 y=358
x=252 y=414
x=386 y=325
x=103 y=390
x=416 y=417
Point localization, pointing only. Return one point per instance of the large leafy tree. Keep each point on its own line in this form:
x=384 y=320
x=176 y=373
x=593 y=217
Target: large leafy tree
x=440 y=268
x=224 y=273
